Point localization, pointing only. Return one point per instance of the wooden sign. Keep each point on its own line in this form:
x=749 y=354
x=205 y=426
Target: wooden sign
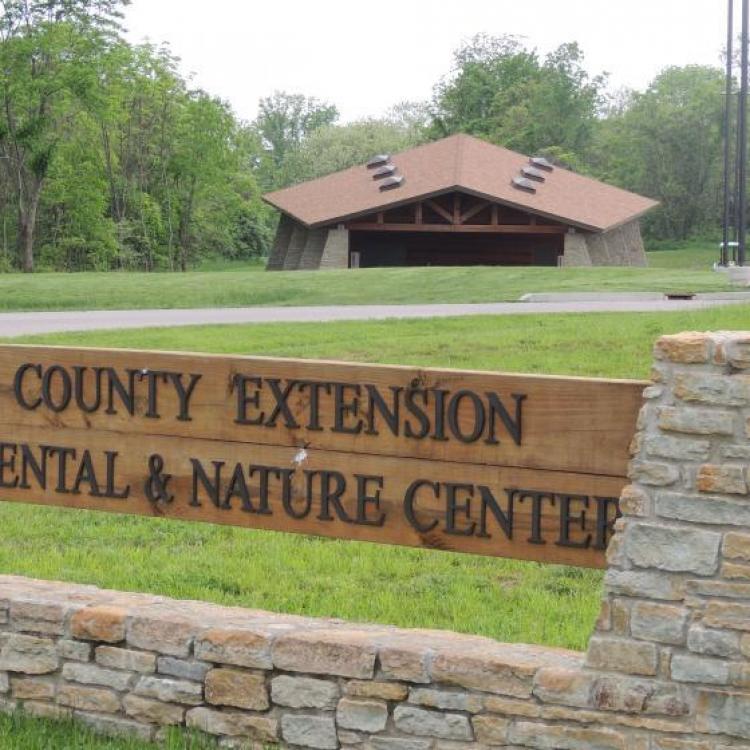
x=518 y=466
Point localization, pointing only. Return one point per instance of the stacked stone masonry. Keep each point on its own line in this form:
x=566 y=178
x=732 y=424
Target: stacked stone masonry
x=668 y=667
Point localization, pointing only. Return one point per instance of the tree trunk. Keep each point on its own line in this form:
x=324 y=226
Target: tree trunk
x=27 y=226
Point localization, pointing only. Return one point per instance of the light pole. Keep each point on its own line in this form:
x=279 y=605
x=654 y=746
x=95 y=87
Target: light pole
x=724 y=259
x=742 y=125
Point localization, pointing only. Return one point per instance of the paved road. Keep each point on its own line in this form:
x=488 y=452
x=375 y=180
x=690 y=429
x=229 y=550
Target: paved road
x=21 y=324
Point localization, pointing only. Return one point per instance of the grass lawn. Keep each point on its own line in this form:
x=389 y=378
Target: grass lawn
x=686 y=269
x=19 y=732
x=504 y=599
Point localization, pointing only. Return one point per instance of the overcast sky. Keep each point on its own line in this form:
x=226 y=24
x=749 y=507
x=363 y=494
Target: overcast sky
x=366 y=56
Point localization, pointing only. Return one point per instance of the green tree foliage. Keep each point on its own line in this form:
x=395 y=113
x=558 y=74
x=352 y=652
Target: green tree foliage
x=666 y=143
x=331 y=148
x=502 y=91
x=110 y=160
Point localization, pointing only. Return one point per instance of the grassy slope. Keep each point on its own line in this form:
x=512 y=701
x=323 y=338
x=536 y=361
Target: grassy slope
x=675 y=270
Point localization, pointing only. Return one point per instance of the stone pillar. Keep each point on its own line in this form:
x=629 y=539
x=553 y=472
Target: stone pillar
x=674 y=633
x=296 y=248
x=313 y=250
x=622 y=246
x=576 y=250
x=280 y=243
x=336 y=250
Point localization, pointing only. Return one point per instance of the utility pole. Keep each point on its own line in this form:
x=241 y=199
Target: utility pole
x=724 y=259
x=742 y=124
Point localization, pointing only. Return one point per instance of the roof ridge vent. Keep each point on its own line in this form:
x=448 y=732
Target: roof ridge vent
x=391 y=183
x=533 y=173
x=378 y=160
x=542 y=163
x=521 y=183
x=385 y=171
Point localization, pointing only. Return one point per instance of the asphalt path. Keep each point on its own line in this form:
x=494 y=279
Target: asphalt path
x=28 y=323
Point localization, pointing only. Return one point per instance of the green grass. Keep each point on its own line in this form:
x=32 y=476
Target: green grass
x=244 y=285
x=696 y=255
x=20 y=732
x=504 y=599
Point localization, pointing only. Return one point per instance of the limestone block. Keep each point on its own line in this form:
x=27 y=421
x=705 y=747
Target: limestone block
x=706 y=509
x=727 y=478
x=305 y=692
x=659 y=622
x=152 y=711
x=690 y=668
x=491 y=729
x=645 y=584
x=100 y=623
x=233 y=723
x=28 y=654
x=41 y=618
x=446 y=700
x=309 y=731
x=240 y=648
x=74 y=650
x=676 y=549
x=653 y=473
x=713 y=390
x=122 y=658
x=676 y=448
x=169 y=690
x=161 y=635
x=427 y=723
x=727 y=615
x=720 y=712
x=32 y=688
x=387 y=691
x=684 y=348
x=737 y=546
x=88 y=698
x=365 y=715
x=620 y=655
x=702 y=640
x=91 y=674
x=184 y=669
x=554 y=737
x=346 y=653
x=696 y=421
x=231 y=687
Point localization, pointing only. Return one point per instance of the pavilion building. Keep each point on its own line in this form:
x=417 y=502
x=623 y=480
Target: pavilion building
x=459 y=201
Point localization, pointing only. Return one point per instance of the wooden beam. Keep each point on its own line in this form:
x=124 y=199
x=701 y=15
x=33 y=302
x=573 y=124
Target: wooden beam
x=418 y=213
x=438 y=209
x=495 y=214
x=456 y=208
x=473 y=211
x=467 y=228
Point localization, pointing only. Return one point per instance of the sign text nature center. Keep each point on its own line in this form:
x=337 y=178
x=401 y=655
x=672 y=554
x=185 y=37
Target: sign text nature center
x=516 y=466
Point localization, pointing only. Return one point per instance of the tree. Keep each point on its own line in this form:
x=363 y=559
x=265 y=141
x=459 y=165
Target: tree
x=335 y=147
x=285 y=120
x=501 y=91
x=48 y=64
x=666 y=143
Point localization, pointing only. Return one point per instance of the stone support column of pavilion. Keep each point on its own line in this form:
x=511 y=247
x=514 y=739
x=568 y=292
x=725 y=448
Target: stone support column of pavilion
x=296 y=247
x=280 y=243
x=576 y=251
x=336 y=250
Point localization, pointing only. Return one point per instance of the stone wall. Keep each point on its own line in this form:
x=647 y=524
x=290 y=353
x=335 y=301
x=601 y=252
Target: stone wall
x=668 y=667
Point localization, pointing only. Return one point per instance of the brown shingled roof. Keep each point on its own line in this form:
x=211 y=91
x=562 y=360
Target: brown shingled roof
x=468 y=164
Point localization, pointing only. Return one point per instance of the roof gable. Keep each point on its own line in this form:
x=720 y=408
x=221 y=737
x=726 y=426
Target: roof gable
x=464 y=163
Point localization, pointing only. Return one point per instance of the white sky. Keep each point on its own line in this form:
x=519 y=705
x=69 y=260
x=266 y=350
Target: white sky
x=366 y=56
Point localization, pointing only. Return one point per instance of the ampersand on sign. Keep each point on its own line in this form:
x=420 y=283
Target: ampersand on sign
x=156 y=486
